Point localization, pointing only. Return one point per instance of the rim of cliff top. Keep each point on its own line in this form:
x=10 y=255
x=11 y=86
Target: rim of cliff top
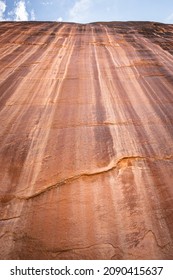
x=94 y=22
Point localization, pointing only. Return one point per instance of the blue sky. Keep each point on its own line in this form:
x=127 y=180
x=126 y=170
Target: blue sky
x=84 y=11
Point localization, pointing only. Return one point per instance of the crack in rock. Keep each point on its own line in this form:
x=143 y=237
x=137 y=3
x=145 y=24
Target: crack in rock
x=7 y=219
x=58 y=252
x=123 y=123
x=155 y=238
x=122 y=162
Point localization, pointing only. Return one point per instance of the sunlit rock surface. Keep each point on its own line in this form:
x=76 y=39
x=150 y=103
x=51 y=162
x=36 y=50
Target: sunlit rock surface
x=86 y=141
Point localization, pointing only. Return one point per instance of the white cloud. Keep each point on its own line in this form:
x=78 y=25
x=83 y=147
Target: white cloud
x=20 y=12
x=33 y=17
x=169 y=18
x=80 y=10
x=47 y=3
x=2 y=10
x=60 y=19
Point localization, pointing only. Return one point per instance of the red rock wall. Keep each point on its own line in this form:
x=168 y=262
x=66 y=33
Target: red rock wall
x=86 y=141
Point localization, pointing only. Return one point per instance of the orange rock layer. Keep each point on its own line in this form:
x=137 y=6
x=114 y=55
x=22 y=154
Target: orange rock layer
x=86 y=140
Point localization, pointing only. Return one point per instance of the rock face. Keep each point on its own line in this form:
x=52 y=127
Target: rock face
x=86 y=140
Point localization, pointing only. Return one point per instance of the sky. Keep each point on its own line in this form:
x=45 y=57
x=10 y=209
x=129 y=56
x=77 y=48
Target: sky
x=85 y=11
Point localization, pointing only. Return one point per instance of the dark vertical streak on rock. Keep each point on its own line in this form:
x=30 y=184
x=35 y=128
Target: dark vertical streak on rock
x=8 y=87
x=103 y=136
x=86 y=141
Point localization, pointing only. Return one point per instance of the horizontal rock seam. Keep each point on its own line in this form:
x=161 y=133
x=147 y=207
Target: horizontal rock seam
x=110 y=167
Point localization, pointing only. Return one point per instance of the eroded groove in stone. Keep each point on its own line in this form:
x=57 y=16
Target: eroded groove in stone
x=121 y=163
x=86 y=140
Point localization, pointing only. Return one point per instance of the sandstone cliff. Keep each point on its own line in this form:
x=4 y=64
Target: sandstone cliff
x=86 y=140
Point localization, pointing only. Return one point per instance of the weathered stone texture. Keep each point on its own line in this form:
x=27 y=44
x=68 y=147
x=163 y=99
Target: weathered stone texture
x=86 y=140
